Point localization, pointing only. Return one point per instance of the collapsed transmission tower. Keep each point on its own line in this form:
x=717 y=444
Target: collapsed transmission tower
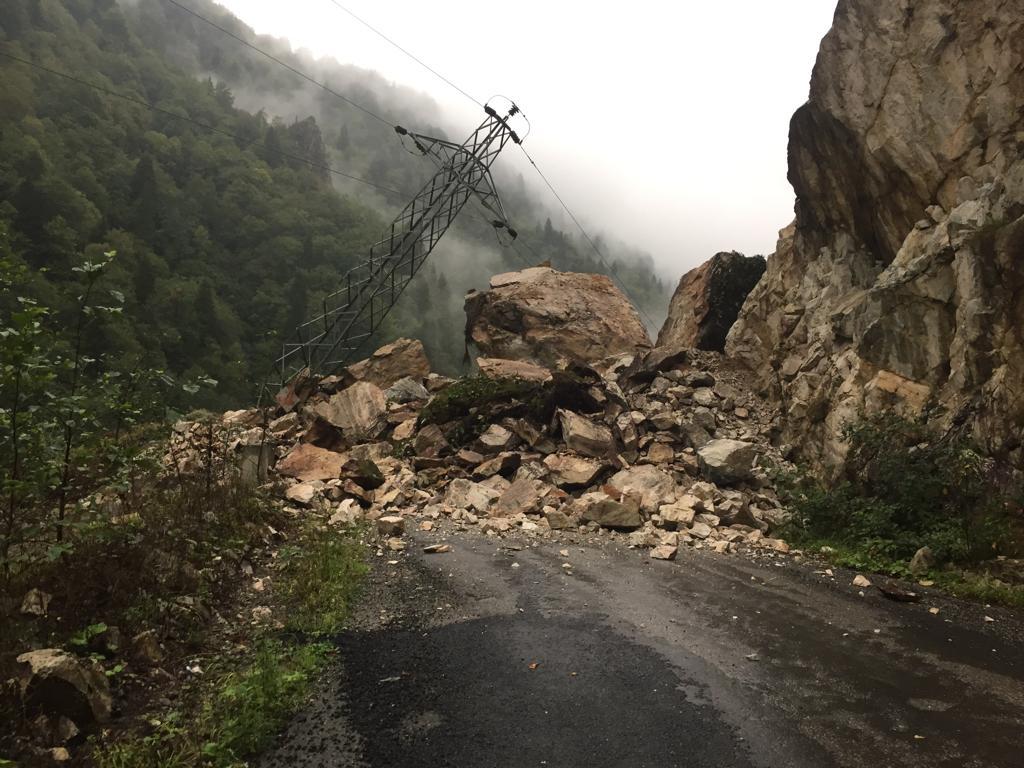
x=367 y=293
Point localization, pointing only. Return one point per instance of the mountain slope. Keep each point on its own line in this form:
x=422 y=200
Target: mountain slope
x=224 y=243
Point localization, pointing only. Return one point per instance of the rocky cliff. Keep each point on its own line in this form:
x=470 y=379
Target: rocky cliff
x=900 y=284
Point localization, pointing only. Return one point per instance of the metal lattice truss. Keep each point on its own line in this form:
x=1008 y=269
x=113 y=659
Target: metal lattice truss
x=368 y=292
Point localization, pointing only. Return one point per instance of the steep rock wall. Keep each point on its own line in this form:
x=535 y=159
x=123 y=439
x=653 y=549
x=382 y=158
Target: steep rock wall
x=900 y=284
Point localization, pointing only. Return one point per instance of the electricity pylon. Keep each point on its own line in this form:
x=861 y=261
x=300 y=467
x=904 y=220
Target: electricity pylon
x=367 y=293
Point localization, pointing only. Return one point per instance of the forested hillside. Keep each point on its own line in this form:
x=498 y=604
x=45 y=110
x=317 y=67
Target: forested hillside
x=225 y=239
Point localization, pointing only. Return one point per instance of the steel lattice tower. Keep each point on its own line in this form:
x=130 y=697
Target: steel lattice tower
x=367 y=293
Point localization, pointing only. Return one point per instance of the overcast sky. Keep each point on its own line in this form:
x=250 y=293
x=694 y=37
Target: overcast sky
x=662 y=123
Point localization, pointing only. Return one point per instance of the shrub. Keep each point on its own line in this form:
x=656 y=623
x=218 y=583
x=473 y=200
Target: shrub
x=904 y=488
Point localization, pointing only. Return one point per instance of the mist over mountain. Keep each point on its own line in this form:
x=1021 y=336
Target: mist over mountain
x=224 y=243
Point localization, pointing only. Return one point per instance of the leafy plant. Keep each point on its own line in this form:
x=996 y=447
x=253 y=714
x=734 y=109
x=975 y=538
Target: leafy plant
x=903 y=488
x=322 y=573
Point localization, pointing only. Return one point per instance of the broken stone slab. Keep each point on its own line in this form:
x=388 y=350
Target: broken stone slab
x=664 y=552
x=646 y=366
x=306 y=462
x=609 y=513
x=406 y=390
x=469 y=457
x=495 y=439
x=391 y=525
x=700 y=530
x=498 y=368
x=404 y=430
x=660 y=453
x=922 y=561
x=654 y=486
x=301 y=493
x=56 y=683
x=725 y=462
x=145 y=648
x=584 y=436
x=465 y=494
x=402 y=358
x=430 y=442
x=504 y=464
x=359 y=411
x=347 y=513
x=568 y=471
x=557 y=519
x=363 y=472
x=679 y=515
x=523 y=497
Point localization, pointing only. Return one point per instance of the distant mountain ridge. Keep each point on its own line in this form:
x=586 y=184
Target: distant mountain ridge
x=223 y=244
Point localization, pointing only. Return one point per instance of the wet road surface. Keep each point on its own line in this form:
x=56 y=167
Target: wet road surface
x=493 y=655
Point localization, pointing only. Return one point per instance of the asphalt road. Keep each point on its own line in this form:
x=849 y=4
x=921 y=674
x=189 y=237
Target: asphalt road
x=495 y=656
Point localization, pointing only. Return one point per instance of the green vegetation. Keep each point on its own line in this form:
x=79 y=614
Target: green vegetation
x=322 y=571
x=905 y=488
x=224 y=244
x=241 y=703
x=236 y=716
x=474 y=402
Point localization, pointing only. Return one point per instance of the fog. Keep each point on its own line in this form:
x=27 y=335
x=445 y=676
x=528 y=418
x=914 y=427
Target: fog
x=663 y=125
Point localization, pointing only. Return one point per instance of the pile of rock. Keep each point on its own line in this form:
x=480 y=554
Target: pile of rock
x=662 y=446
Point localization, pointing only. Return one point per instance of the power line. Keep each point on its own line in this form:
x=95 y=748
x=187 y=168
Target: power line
x=284 y=64
x=597 y=251
x=214 y=129
x=407 y=53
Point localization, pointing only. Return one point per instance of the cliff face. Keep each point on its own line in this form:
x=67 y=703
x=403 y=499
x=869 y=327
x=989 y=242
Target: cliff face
x=900 y=284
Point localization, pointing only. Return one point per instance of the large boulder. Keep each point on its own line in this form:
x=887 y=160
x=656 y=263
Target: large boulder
x=56 y=683
x=568 y=471
x=900 y=285
x=553 y=318
x=306 y=463
x=725 y=462
x=609 y=513
x=359 y=411
x=708 y=300
x=403 y=358
x=654 y=486
x=585 y=436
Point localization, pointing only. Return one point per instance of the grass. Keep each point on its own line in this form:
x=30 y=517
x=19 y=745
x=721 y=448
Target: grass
x=321 y=574
x=237 y=715
x=964 y=583
x=236 y=710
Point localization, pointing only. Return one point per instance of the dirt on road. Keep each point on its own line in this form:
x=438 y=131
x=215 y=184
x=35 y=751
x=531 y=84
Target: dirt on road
x=513 y=654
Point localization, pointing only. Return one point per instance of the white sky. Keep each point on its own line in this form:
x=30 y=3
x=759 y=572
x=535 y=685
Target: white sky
x=661 y=123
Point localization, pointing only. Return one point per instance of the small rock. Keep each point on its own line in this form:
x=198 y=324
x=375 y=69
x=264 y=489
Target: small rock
x=664 y=552
x=700 y=530
x=145 y=648
x=922 y=561
x=36 y=603
x=436 y=549
x=57 y=683
x=302 y=493
x=861 y=581
x=391 y=525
